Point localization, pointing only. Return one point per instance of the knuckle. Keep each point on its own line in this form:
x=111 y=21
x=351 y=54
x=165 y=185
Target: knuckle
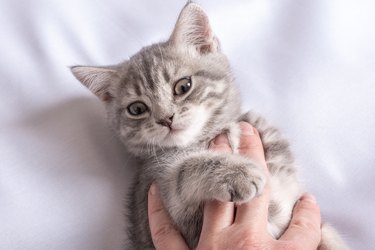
x=248 y=239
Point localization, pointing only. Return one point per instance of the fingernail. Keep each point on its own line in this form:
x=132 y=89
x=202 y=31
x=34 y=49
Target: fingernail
x=246 y=128
x=308 y=197
x=153 y=189
x=221 y=139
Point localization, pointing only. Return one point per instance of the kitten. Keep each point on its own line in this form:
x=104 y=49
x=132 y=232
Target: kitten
x=166 y=103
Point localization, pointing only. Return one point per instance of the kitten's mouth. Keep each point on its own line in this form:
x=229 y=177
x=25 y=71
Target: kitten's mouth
x=173 y=131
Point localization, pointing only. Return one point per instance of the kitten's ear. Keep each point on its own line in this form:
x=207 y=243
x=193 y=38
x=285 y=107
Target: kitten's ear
x=193 y=29
x=98 y=80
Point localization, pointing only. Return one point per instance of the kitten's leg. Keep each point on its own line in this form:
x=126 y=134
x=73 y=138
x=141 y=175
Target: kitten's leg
x=210 y=175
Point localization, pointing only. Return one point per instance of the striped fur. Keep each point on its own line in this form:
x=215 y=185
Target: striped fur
x=177 y=158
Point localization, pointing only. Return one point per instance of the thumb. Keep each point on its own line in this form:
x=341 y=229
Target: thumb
x=251 y=144
x=164 y=234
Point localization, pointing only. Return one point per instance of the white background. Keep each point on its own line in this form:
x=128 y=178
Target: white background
x=308 y=66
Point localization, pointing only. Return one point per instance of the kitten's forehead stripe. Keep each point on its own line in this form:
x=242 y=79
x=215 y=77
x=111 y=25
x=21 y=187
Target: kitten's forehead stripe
x=166 y=75
x=155 y=75
x=153 y=62
x=132 y=83
x=137 y=88
x=147 y=74
x=209 y=75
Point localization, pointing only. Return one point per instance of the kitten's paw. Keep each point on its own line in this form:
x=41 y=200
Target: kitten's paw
x=242 y=181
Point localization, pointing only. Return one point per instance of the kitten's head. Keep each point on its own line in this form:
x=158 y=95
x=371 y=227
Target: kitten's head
x=168 y=94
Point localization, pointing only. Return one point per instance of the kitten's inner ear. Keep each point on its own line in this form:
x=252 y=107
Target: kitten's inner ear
x=98 y=80
x=193 y=29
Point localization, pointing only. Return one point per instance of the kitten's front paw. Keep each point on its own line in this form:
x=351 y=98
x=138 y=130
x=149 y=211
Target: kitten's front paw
x=241 y=181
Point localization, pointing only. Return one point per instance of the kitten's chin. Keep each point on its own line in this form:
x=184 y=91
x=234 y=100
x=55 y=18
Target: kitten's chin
x=178 y=138
x=182 y=137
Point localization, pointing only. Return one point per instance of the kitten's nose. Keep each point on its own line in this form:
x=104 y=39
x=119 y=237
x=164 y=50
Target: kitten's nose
x=166 y=122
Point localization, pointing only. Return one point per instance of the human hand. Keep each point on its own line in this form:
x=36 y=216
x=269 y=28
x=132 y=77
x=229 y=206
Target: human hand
x=247 y=228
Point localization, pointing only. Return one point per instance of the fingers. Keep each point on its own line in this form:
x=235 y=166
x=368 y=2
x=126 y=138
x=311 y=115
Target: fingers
x=217 y=216
x=221 y=144
x=251 y=144
x=164 y=235
x=305 y=224
x=255 y=212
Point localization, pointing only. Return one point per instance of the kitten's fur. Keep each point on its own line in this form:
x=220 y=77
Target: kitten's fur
x=171 y=137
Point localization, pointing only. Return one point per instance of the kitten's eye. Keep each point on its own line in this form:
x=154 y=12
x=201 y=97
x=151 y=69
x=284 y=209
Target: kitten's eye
x=182 y=86
x=137 y=108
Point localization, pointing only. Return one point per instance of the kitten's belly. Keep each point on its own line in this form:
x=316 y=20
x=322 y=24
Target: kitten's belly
x=189 y=221
x=284 y=195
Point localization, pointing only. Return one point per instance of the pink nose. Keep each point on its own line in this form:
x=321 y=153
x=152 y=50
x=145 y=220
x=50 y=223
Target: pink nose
x=167 y=122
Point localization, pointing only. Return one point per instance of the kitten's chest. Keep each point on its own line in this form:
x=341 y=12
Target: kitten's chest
x=168 y=155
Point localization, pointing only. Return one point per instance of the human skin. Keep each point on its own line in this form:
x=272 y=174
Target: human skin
x=230 y=226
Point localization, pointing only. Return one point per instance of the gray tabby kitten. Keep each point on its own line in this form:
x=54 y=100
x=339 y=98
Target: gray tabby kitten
x=166 y=103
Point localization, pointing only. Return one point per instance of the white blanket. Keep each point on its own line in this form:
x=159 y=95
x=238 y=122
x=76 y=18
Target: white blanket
x=308 y=66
